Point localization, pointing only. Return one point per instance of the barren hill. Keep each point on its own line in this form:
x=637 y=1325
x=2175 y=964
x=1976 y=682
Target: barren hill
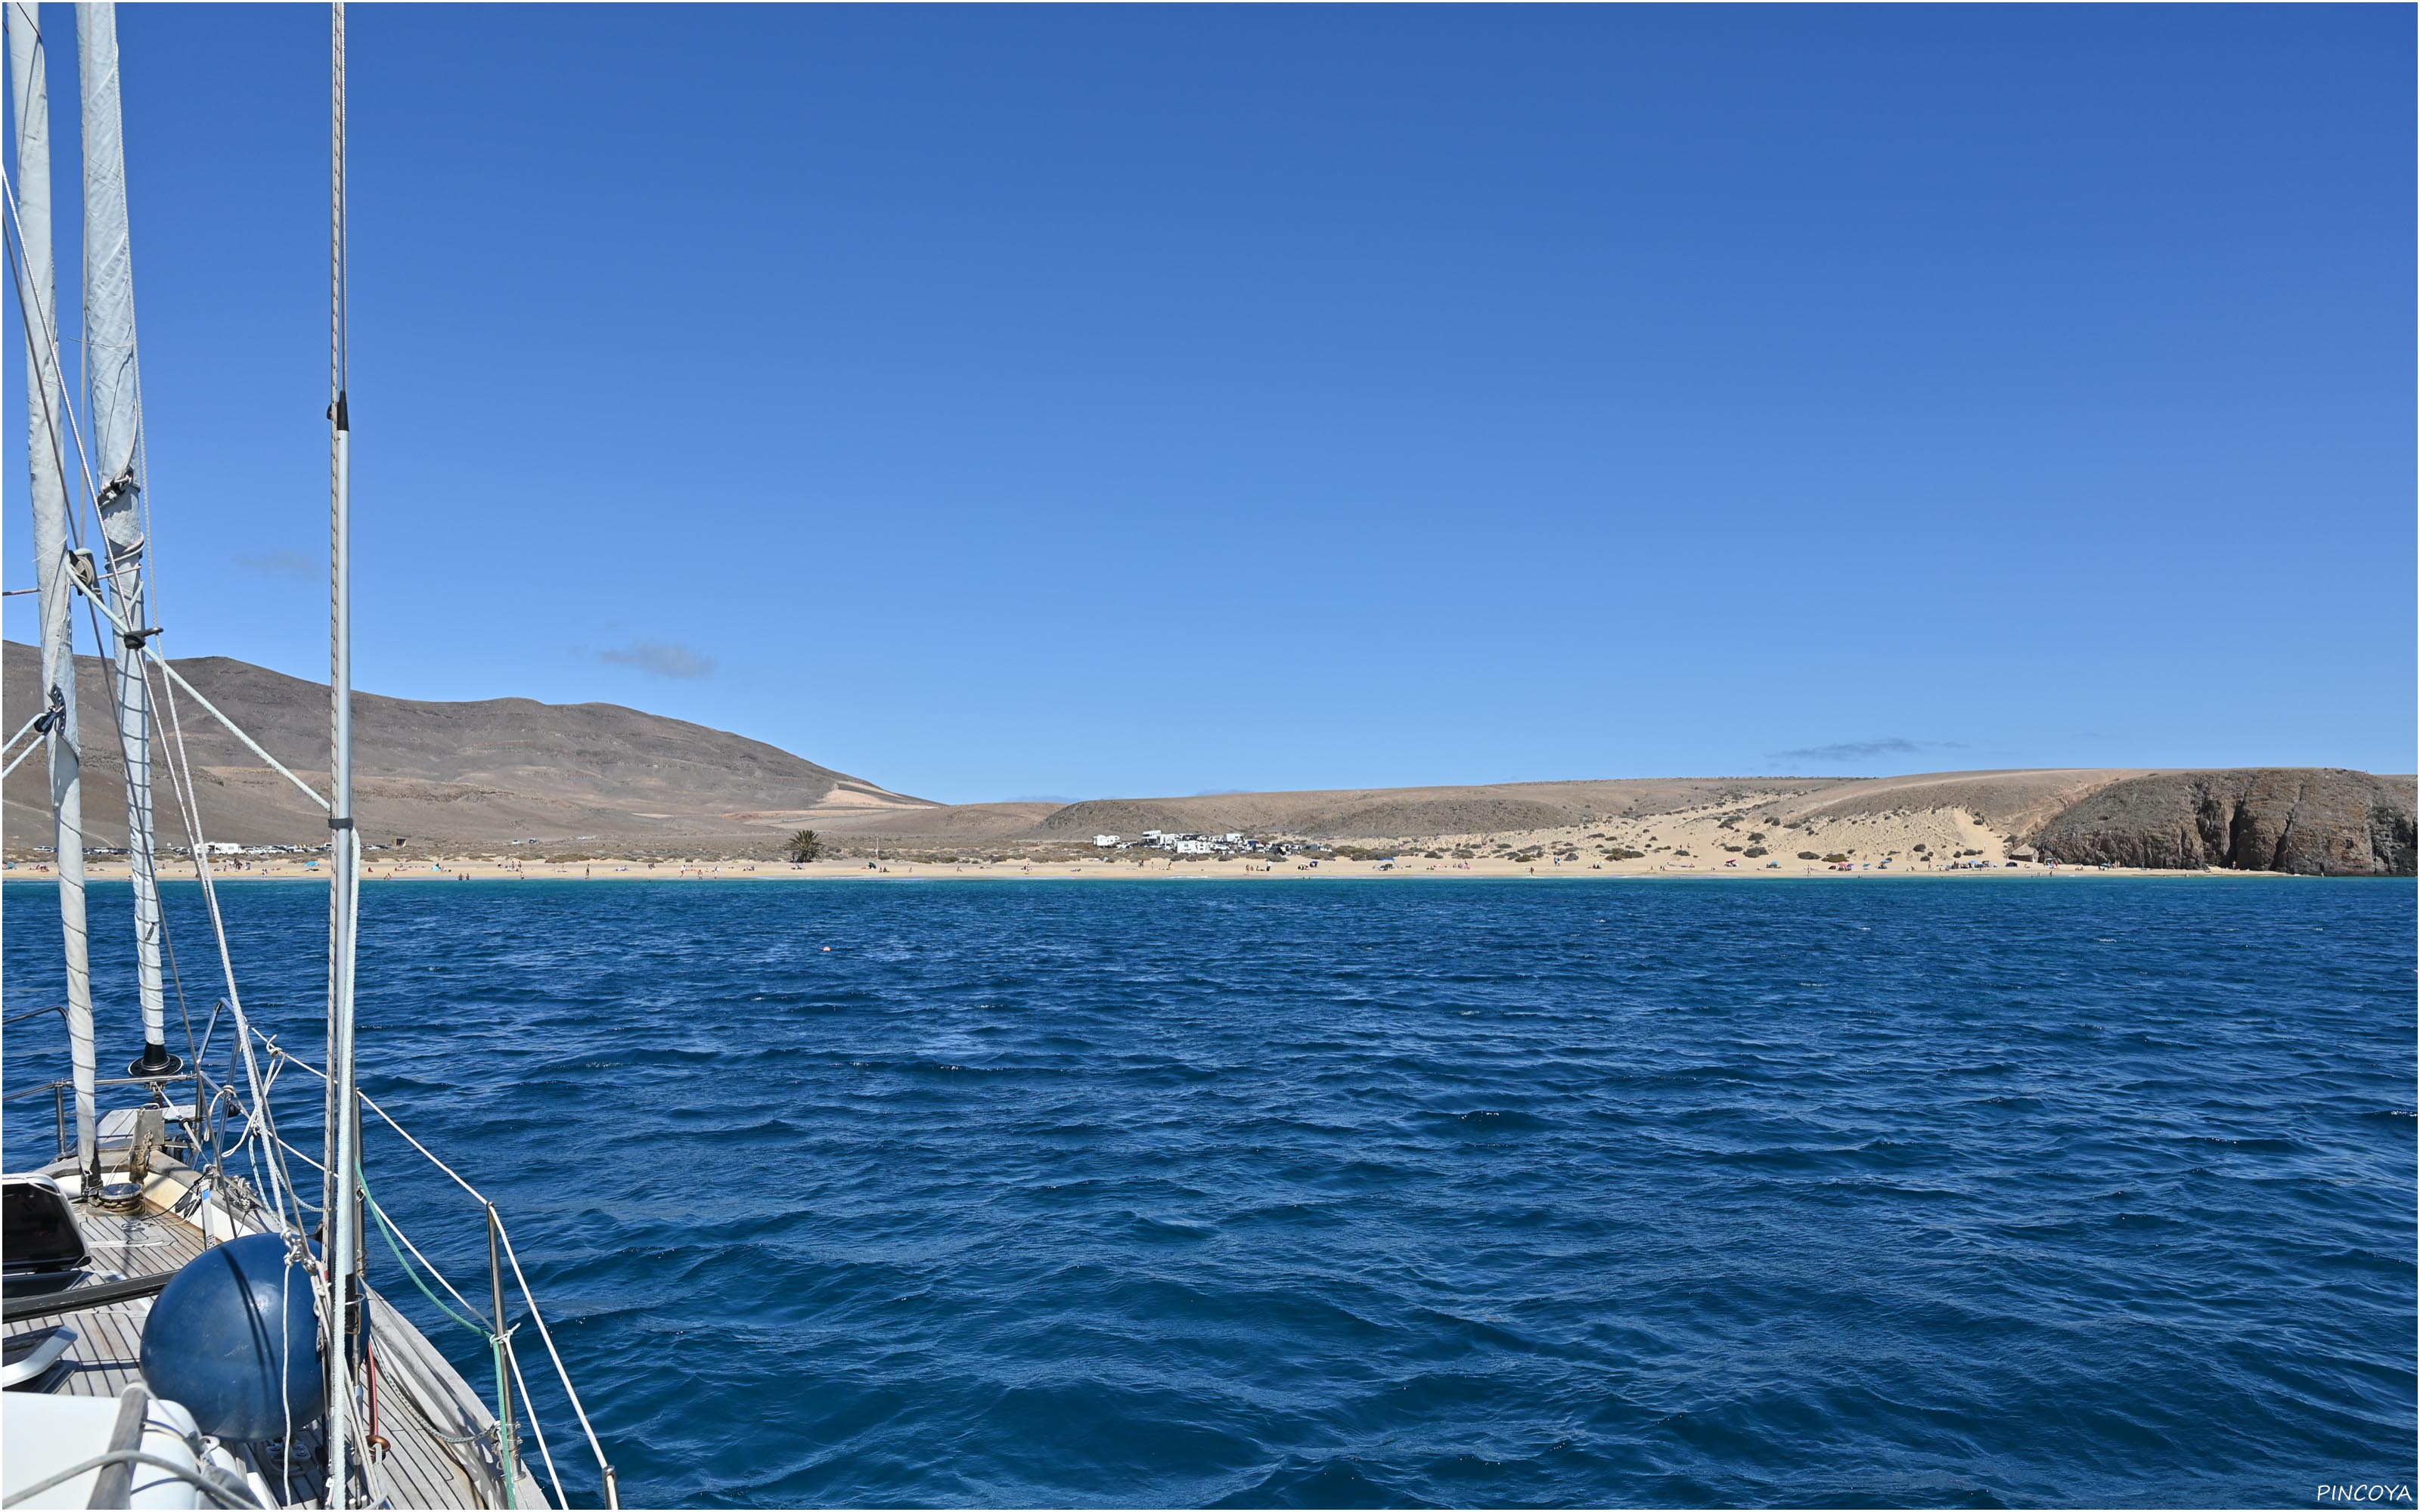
x=481 y=772
x=607 y=780
x=2304 y=820
x=1402 y=813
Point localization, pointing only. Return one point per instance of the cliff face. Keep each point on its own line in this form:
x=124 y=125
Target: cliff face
x=2312 y=821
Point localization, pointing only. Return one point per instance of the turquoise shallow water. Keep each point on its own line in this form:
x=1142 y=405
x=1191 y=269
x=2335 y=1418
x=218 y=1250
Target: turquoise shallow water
x=1950 y=1192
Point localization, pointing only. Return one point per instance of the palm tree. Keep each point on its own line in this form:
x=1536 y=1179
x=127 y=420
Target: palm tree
x=806 y=845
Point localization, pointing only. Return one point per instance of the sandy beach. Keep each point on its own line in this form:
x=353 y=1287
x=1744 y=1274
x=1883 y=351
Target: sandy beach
x=1883 y=830
x=1705 y=843
x=459 y=869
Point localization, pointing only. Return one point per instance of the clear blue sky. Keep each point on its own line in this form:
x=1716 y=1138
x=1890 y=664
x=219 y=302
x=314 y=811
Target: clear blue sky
x=1000 y=403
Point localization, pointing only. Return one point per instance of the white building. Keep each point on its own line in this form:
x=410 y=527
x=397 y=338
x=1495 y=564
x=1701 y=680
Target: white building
x=1105 y=842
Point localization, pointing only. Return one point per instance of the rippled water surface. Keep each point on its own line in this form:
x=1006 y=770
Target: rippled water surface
x=1609 y=1192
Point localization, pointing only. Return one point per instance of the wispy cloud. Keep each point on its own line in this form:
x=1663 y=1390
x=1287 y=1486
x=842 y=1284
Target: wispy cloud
x=1859 y=750
x=285 y=564
x=660 y=658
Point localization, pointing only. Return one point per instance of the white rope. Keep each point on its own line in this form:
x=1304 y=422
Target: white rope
x=211 y=709
x=20 y=760
x=18 y=264
x=23 y=730
x=285 y=1352
x=538 y=1425
x=299 y=1155
x=286 y=1056
x=370 y=1102
x=562 y=1372
x=222 y=1492
x=529 y=1298
x=180 y=784
x=426 y=1263
x=195 y=841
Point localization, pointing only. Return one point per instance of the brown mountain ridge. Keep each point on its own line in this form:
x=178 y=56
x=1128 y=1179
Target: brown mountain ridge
x=476 y=773
x=608 y=780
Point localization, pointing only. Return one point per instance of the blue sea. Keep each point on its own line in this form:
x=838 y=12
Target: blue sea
x=1943 y=1192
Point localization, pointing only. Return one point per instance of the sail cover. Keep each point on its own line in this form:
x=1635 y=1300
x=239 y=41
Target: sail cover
x=46 y=450
x=115 y=377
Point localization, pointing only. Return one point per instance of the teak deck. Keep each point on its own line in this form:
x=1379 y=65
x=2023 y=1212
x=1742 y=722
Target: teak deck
x=423 y=1464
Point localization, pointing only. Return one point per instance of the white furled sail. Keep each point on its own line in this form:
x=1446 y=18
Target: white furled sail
x=46 y=443
x=117 y=389
x=190 y=1230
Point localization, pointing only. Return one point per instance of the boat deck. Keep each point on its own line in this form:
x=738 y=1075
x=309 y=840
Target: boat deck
x=439 y=1440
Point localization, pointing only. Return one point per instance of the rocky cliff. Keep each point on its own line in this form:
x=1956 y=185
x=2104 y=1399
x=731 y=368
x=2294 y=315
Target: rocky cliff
x=2312 y=821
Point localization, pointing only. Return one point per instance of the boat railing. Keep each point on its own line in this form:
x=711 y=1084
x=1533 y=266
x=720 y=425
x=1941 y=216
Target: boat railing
x=61 y=1086
x=58 y=1090
x=61 y=1008
x=501 y=1260
x=206 y=1127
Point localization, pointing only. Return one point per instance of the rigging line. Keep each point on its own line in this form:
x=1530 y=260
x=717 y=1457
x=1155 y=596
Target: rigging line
x=20 y=592
x=210 y=1030
x=20 y=760
x=536 y=1426
x=286 y=1351
x=50 y=426
x=561 y=1372
x=208 y=707
x=529 y=1298
x=144 y=587
x=223 y=1493
x=18 y=276
x=281 y=1187
x=186 y=811
x=143 y=499
x=168 y=943
x=195 y=844
x=342 y=1128
x=393 y=1232
x=118 y=722
x=424 y=1150
x=371 y=1102
x=386 y=1226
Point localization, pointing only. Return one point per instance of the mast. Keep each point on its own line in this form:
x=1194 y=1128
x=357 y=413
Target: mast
x=344 y=855
x=117 y=390
x=45 y=447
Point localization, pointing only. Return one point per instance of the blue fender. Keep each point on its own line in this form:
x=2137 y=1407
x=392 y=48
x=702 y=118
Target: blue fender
x=235 y=1340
